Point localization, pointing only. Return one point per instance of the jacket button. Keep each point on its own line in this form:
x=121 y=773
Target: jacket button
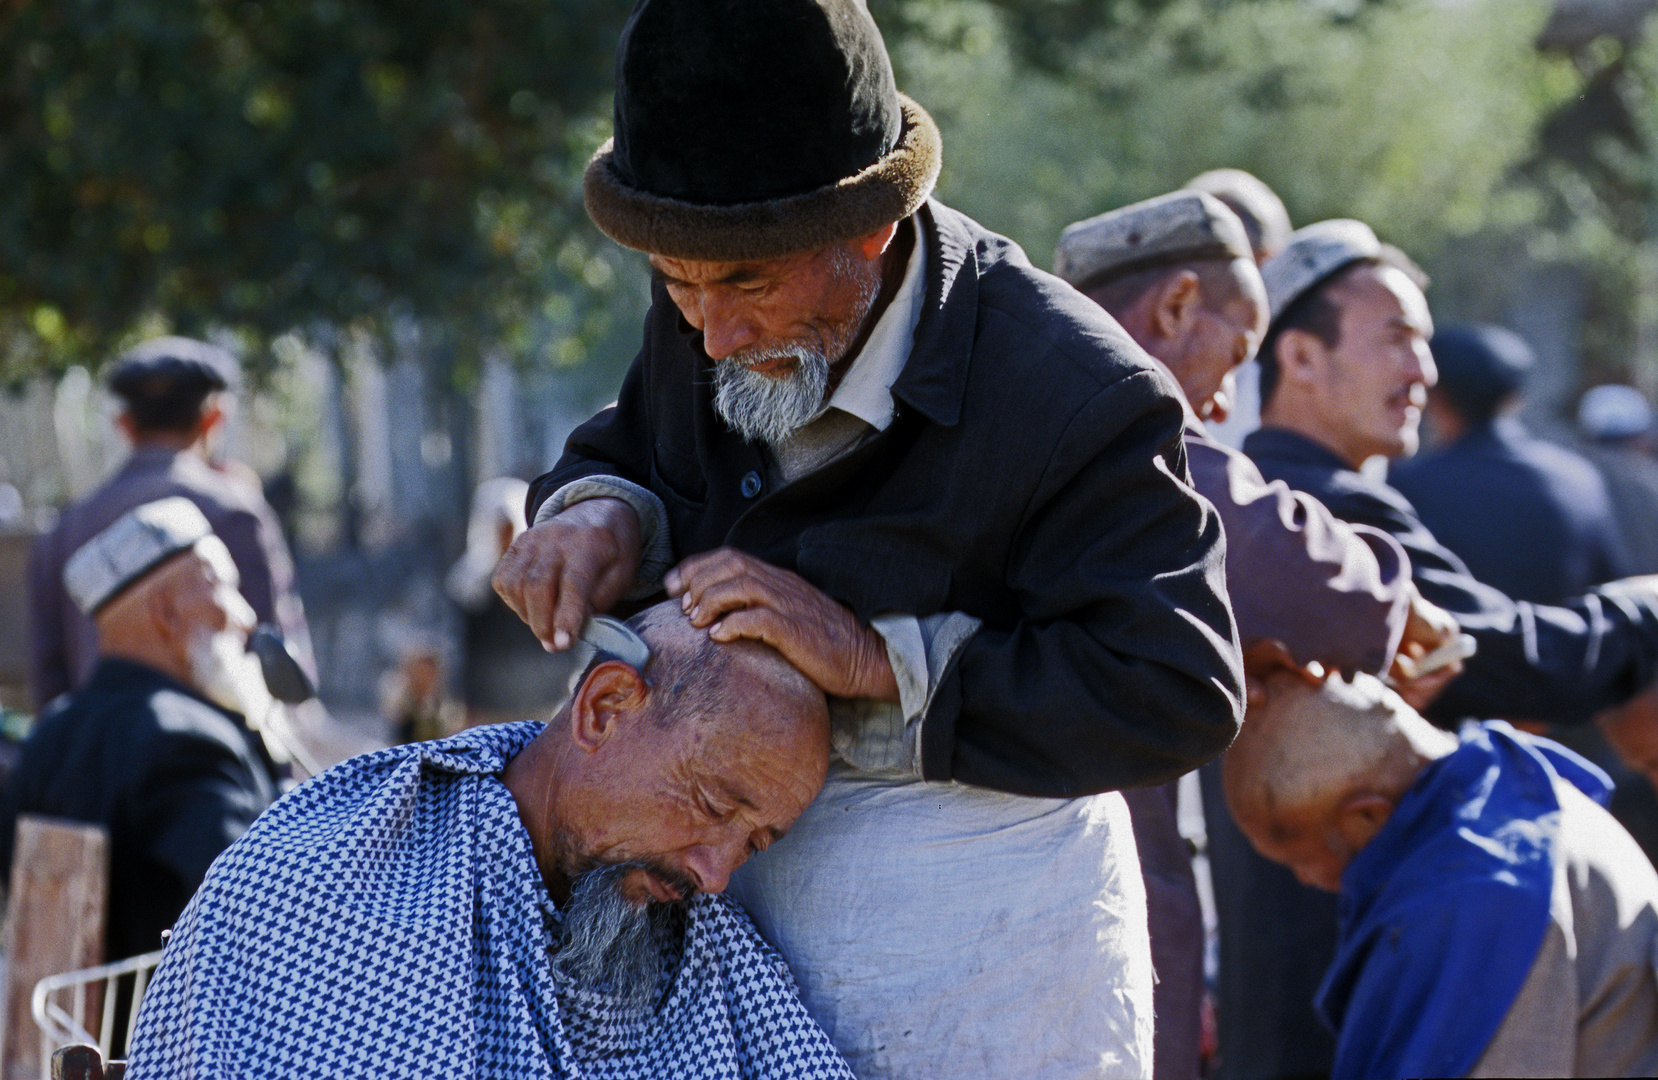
x=751 y=485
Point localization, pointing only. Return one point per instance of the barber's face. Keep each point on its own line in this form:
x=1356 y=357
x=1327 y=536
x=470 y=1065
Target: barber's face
x=752 y=307
x=1373 y=384
x=693 y=801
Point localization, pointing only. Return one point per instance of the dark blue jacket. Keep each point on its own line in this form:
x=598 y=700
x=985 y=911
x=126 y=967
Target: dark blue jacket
x=1535 y=662
x=1527 y=517
x=173 y=777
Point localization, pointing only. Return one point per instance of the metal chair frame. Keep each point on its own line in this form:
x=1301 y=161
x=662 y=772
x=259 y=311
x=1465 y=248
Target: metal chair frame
x=60 y=1027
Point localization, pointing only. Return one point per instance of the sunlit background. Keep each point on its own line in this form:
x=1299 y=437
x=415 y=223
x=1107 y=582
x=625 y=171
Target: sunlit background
x=377 y=206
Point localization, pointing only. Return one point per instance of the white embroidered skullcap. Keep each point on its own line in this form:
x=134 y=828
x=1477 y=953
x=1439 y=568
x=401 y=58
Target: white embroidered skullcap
x=136 y=543
x=1313 y=254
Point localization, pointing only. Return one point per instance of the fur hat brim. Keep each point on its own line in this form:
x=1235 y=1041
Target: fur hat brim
x=890 y=190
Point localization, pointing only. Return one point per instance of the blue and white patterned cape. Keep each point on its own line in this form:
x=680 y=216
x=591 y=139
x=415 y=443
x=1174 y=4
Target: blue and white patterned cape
x=387 y=919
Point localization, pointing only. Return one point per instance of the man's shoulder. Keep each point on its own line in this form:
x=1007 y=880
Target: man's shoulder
x=1042 y=328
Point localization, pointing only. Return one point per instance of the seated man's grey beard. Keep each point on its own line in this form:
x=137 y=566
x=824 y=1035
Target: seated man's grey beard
x=612 y=944
x=769 y=408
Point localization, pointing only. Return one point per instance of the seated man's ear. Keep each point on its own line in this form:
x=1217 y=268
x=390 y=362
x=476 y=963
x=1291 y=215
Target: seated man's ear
x=613 y=694
x=1360 y=817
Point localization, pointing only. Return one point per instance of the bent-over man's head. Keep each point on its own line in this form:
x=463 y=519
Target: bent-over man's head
x=763 y=158
x=1317 y=771
x=162 y=591
x=1177 y=272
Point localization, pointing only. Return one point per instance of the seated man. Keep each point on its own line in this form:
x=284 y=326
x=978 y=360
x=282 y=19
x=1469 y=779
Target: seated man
x=518 y=900
x=154 y=747
x=1496 y=921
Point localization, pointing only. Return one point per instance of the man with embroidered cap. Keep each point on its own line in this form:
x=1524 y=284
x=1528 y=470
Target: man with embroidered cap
x=1495 y=919
x=175 y=395
x=519 y=900
x=1345 y=374
x=155 y=746
x=1177 y=272
x=864 y=429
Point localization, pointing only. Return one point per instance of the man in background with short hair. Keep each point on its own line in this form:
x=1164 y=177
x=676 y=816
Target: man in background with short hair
x=174 y=396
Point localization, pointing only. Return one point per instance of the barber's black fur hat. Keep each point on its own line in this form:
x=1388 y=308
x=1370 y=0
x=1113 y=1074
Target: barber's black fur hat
x=753 y=129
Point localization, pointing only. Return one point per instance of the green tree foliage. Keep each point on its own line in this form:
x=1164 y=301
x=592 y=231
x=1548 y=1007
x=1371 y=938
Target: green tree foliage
x=1409 y=114
x=266 y=165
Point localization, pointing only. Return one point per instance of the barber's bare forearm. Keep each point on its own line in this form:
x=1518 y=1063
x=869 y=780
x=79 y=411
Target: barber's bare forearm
x=561 y=571
x=735 y=595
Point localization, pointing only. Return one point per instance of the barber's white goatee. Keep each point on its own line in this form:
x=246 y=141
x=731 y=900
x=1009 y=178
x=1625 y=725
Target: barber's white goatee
x=769 y=408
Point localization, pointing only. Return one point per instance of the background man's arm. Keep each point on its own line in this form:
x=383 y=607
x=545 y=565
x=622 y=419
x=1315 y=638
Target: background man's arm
x=199 y=796
x=1560 y=664
x=1333 y=593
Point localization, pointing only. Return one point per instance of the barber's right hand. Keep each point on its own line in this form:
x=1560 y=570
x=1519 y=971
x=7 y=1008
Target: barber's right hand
x=577 y=562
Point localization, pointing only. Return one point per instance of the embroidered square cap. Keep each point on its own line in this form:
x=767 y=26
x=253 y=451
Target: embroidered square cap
x=1313 y=254
x=1180 y=227
x=129 y=548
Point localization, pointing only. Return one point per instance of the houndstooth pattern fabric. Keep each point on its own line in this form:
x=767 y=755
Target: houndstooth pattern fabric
x=387 y=918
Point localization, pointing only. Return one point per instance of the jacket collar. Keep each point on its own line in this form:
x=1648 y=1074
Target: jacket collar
x=1290 y=447
x=935 y=379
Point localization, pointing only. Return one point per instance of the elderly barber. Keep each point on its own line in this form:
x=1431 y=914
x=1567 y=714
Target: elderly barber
x=863 y=429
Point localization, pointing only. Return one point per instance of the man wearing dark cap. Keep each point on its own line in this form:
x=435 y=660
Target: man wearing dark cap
x=173 y=396
x=154 y=747
x=1527 y=516
x=1345 y=370
x=1177 y=272
x=950 y=490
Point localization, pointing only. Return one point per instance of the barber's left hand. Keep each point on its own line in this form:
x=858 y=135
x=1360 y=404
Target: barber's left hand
x=735 y=595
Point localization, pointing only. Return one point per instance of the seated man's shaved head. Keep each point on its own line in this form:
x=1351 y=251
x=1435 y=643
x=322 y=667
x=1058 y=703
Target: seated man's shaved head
x=684 y=769
x=650 y=786
x=1316 y=773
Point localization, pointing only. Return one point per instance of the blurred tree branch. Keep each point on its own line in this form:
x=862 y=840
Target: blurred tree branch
x=263 y=166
